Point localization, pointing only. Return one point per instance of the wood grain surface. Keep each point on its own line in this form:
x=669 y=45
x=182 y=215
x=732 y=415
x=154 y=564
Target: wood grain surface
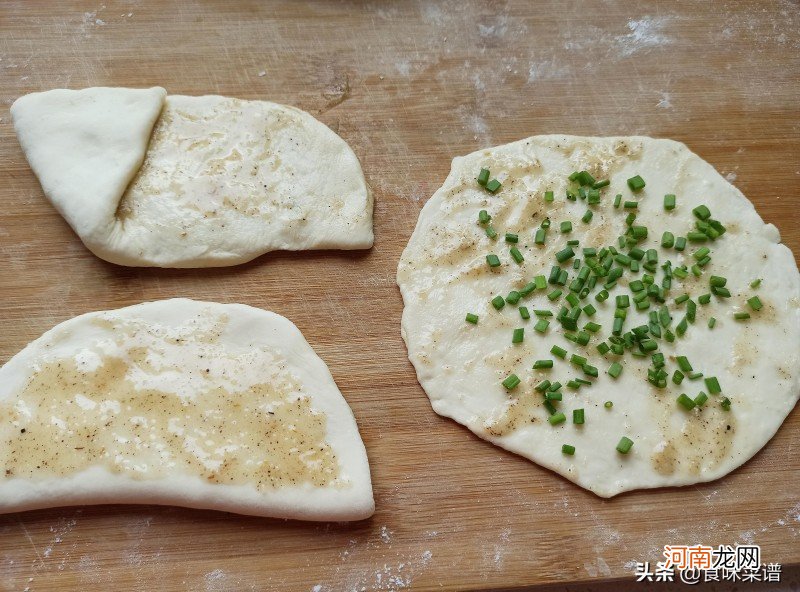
x=409 y=85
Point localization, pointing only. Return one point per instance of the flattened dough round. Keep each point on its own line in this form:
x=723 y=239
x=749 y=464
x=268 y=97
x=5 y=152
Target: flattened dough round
x=180 y=402
x=443 y=274
x=147 y=179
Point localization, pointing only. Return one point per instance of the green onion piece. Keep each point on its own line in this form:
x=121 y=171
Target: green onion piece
x=542 y=386
x=490 y=232
x=540 y=364
x=636 y=183
x=700 y=253
x=493 y=260
x=755 y=284
x=680 y=243
x=700 y=399
x=681 y=299
x=687 y=402
x=590 y=370
x=630 y=205
x=541 y=325
x=669 y=201
x=539 y=236
x=578 y=416
x=550 y=408
x=484 y=217
x=625 y=443
x=511 y=381
x=516 y=255
x=493 y=186
x=667 y=240
x=565 y=255
x=696 y=237
x=711 y=322
x=511 y=238
x=601 y=296
x=498 y=302
x=695 y=375
x=549 y=196
x=592 y=326
x=712 y=384
x=540 y=281
x=577 y=360
x=518 y=336
x=513 y=297
x=568 y=449
x=615 y=370
x=483 y=177
x=566 y=226
x=554 y=294
x=554 y=387
x=557 y=418
x=683 y=363
x=704 y=298
x=585 y=178
x=601 y=184
x=741 y=316
x=722 y=292
x=617 y=200
x=755 y=303
x=472 y=318
x=589 y=310
x=523 y=312
x=553 y=396
x=623 y=301
x=725 y=404
x=702 y=212
x=587 y=217
x=543 y=313
x=558 y=351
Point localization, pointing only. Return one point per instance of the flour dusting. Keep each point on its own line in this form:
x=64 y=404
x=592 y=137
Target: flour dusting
x=645 y=33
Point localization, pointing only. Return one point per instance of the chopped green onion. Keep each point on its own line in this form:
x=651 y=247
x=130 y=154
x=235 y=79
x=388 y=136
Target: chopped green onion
x=493 y=260
x=540 y=364
x=567 y=449
x=601 y=184
x=577 y=360
x=683 y=363
x=549 y=196
x=578 y=416
x=498 y=302
x=755 y=303
x=513 y=297
x=669 y=201
x=557 y=418
x=755 y=284
x=483 y=177
x=712 y=384
x=587 y=217
x=539 y=236
x=518 y=336
x=608 y=404
x=472 y=318
x=490 y=232
x=558 y=351
x=696 y=237
x=512 y=238
x=711 y=322
x=484 y=217
x=680 y=243
x=630 y=205
x=700 y=399
x=543 y=313
x=554 y=294
x=565 y=254
x=702 y=212
x=516 y=255
x=541 y=325
x=667 y=240
x=566 y=226
x=741 y=316
x=617 y=200
x=625 y=443
x=493 y=186
x=511 y=381
x=553 y=396
x=725 y=404
x=523 y=312
x=636 y=183
x=687 y=402
x=615 y=370
x=704 y=298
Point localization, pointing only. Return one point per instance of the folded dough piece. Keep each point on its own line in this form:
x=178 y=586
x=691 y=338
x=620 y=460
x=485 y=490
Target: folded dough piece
x=147 y=179
x=180 y=402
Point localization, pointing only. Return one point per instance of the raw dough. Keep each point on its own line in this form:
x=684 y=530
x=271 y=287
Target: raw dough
x=443 y=274
x=180 y=402
x=147 y=179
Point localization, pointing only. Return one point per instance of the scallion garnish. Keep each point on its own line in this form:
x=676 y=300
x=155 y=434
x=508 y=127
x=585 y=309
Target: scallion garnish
x=625 y=444
x=472 y=318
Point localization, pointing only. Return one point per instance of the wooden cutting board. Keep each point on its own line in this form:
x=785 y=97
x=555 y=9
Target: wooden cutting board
x=409 y=85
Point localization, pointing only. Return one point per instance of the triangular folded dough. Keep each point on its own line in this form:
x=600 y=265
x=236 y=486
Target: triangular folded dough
x=85 y=146
x=180 y=402
x=221 y=181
